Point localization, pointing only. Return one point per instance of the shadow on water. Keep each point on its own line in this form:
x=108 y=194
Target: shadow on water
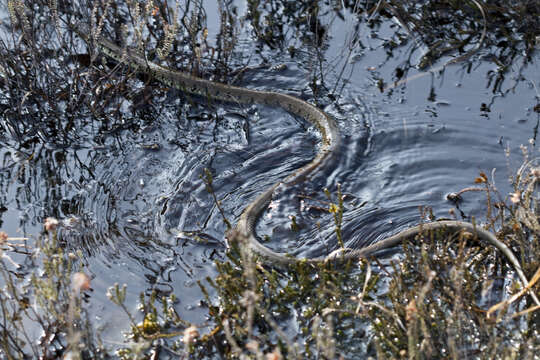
x=119 y=158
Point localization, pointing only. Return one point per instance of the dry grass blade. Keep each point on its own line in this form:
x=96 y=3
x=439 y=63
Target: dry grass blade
x=514 y=297
x=364 y=289
x=526 y=311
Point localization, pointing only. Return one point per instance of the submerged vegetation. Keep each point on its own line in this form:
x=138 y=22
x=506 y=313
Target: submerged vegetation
x=445 y=296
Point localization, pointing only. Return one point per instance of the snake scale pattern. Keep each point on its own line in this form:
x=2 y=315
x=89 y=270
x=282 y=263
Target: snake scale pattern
x=327 y=151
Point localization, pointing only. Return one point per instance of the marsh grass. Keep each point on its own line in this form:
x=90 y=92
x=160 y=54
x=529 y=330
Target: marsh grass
x=433 y=302
x=437 y=301
x=448 y=296
x=42 y=302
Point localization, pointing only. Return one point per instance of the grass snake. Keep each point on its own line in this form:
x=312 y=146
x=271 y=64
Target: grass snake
x=327 y=152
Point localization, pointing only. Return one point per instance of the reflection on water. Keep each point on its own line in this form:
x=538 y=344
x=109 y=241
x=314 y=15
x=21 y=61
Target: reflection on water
x=132 y=198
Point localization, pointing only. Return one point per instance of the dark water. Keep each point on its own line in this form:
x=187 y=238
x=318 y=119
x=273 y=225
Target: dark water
x=133 y=208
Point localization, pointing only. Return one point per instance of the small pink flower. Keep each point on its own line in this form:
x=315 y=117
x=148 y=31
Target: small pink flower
x=50 y=224
x=80 y=282
x=3 y=237
x=515 y=197
x=253 y=346
x=274 y=355
x=190 y=334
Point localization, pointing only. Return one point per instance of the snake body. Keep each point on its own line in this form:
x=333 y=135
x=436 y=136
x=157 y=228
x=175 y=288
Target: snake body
x=327 y=151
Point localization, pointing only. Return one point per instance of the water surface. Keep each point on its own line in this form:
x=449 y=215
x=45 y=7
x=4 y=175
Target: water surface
x=135 y=202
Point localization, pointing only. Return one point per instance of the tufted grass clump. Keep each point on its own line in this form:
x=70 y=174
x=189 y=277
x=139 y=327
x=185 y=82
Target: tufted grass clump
x=258 y=307
x=256 y=312
x=42 y=300
x=450 y=295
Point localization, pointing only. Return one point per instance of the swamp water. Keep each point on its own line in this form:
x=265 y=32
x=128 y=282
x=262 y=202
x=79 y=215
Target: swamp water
x=134 y=201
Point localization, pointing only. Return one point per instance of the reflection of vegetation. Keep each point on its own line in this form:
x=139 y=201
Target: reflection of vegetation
x=64 y=113
x=433 y=304
x=448 y=28
x=438 y=30
x=272 y=20
x=35 y=87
